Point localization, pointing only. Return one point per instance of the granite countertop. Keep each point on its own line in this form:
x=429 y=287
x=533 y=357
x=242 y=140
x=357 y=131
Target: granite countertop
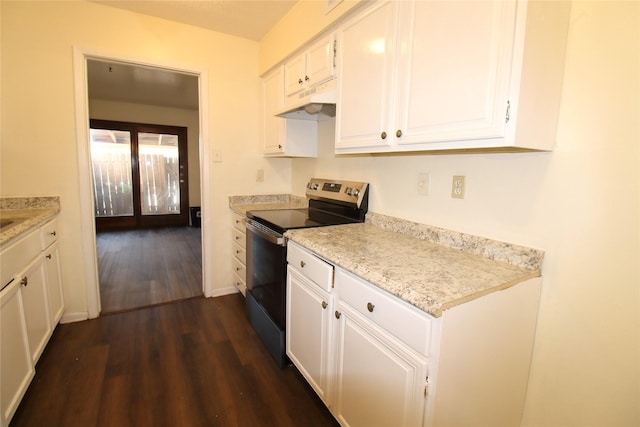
x=27 y=214
x=430 y=268
x=242 y=204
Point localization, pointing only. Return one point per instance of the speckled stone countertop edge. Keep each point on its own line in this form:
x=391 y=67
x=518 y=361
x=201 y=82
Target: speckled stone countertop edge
x=242 y=204
x=32 y=211
x=519 y=256
x=428 y=275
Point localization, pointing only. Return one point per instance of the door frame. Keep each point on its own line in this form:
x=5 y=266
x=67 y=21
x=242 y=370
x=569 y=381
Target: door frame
x=87 y=222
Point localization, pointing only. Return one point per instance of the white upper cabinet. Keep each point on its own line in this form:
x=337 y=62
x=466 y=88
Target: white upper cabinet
x=440 y=75
x=313 y=66
x=273 y=101
x=284 y=137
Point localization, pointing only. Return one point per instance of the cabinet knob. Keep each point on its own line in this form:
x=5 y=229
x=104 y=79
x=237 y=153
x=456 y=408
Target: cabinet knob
x=383 y=135
x=279 y=147
x=324 y=305
x=370 y=307
x=306 y=78
x=398 y=133
x=53 y=233
x=48 y=256
x=299 y=81
x=338 y=314
x=237 y=237
x=24 y=281
x=302 y=264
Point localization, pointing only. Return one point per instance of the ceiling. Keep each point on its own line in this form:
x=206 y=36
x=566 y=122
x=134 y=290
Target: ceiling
x=250 y=19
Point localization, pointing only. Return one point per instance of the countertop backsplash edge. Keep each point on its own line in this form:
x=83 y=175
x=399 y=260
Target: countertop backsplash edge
x=519 y=256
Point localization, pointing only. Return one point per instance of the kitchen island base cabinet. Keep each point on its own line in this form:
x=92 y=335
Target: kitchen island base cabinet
x=36 y=306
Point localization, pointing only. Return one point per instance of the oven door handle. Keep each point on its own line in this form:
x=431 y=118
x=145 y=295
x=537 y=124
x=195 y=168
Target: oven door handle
x=274 y=238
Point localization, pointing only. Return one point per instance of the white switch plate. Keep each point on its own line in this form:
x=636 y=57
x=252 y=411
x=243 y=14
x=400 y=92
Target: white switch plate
x=424 y=183
x=458 y=187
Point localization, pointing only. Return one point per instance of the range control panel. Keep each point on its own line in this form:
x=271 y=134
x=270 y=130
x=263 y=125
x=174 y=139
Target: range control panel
x=344 y=191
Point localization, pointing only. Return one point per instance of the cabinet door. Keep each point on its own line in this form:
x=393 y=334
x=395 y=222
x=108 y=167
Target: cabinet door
x=454 y=75
x=273 y=101
x=36 y=307
x=367 y=46
x=16 y=367
x=319 y=64
x=54 y=283
x=379 y=381
x=294 y=75
x=308 y=338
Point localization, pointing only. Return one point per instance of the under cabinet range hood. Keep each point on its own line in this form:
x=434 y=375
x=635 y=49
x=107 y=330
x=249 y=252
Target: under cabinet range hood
x=316 y=103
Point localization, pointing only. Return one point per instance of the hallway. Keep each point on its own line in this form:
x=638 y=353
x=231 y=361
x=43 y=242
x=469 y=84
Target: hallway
x=146 y=267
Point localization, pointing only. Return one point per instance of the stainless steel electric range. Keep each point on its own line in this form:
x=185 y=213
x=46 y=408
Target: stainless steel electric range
x=331 y=202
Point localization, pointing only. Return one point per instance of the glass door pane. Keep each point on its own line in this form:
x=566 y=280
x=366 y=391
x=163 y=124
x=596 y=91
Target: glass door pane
x=111 y=158
x=159 y=173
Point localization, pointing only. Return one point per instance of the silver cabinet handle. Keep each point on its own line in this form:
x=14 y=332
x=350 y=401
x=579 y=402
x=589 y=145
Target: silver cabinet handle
x=383 y=135
x=324 y=305
x=370 y=307
x=398 y=133
x=338 y=314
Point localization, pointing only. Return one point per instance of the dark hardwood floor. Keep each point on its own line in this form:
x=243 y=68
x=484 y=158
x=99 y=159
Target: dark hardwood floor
x=195 y=362
x=140 y=268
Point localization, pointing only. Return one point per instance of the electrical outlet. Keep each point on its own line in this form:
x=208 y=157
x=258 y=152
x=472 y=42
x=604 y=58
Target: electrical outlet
x=458 y=187
x=424 y=183
x=260 y=175
x=217 y=156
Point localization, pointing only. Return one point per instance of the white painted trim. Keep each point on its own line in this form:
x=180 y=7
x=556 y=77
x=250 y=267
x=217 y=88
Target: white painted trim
x=87 y=223
x=74 y=317
x=224 y=291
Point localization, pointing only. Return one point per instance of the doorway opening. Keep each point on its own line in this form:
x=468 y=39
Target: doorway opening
x=147 y=254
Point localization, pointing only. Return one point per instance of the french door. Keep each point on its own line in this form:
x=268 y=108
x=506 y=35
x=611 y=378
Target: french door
x=139 y=174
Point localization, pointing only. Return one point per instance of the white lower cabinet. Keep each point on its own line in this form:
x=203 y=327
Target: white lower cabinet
x=16 y=365
x=32 y=303
x=379 y=381
x=308 y=338
x=238 y=248
x=376 y=360
x=36 y=306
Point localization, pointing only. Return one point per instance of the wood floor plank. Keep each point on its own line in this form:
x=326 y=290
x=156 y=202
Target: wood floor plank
x=195 y=363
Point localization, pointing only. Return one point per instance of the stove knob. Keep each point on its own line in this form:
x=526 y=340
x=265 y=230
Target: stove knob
x=316 y=186
x=348 y=191
x=356 y=192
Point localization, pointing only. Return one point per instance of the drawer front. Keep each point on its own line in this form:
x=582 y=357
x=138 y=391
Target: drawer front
x=49 y=233
x=16 y=256
x=240 y=284
x=239 y=268
x=240 y=253
x=318 y=271
x=237 y=221
x=239 y=238
x=409 y=324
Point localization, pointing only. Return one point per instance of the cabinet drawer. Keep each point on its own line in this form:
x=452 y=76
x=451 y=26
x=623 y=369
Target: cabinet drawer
x=239 y=237
x=310 y=266
x=240 y=284
x=240 y=253
x=409 y=324
x=49 y=234
x=239 y=268
x=19 y=254
x=237 y=221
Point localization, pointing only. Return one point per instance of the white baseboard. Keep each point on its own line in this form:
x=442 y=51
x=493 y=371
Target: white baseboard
x=74 y=317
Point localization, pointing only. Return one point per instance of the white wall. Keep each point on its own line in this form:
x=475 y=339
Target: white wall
x=39 y=146
x=579 y=203
x=153 y=114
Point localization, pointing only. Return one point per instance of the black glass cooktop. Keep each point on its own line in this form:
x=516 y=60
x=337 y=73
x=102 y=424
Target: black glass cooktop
x=281 y=220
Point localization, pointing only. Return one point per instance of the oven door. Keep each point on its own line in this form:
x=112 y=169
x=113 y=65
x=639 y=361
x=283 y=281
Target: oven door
x=267 y=270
